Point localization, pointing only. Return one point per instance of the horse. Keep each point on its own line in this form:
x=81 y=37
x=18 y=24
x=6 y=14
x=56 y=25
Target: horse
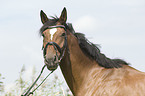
x=87 y=71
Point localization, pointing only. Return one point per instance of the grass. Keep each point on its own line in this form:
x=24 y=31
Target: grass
x=51 y=87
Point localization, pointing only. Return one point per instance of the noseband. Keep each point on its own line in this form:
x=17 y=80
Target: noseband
x=55 y=45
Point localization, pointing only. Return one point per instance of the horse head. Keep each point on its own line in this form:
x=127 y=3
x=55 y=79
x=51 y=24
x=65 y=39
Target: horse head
x=54 y=39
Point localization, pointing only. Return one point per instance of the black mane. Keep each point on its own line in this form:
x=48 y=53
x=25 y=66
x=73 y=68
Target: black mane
x=92 y=51
x=89 y=49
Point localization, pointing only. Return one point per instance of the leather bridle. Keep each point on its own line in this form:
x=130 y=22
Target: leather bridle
x=59 y=58
x=56 y=46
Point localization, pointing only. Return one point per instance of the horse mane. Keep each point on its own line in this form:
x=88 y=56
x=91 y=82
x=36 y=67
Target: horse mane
x=89 y=49
x=93 y=51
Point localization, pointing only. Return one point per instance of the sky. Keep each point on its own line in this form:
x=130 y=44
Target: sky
x=118 y=26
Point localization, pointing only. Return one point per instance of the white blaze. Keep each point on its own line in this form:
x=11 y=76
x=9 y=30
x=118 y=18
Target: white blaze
x=52 y=31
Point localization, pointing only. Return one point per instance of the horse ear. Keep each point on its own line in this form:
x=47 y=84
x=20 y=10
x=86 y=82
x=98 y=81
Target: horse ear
x=44 y=17
x=63 y=16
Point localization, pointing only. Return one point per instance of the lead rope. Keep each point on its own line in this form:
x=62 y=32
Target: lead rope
x=28 y=91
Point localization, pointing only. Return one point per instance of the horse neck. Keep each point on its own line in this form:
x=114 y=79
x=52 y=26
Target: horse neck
x=75 y=64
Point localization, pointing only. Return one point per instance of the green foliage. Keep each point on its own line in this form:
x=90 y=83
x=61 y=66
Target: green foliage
x=51 y=87
x=1 y=84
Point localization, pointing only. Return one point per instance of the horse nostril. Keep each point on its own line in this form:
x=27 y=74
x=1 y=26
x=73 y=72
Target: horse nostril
x=45 y=57
x=54 y=58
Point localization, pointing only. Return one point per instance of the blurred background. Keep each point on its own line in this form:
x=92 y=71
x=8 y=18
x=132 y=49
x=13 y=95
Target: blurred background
x=118 y=26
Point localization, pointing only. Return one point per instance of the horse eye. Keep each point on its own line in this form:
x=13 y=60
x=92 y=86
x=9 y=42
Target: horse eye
x=63 y=34
x=43 y=35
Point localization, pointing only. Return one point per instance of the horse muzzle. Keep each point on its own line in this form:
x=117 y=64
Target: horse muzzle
x=51 y=63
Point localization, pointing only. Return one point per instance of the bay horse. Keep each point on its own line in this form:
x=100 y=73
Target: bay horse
x=86 y=70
